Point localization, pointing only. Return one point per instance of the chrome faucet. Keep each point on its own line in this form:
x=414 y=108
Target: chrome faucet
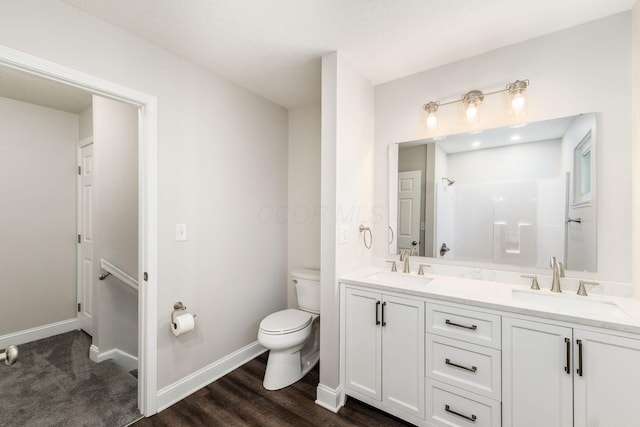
x=404 y=256
x=558 y=271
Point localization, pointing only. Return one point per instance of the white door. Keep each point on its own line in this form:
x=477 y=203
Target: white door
x=403 y=354
x=86 y=194
x=409 y=203
x=363 y=343
x=606 y=388
x=537 y=381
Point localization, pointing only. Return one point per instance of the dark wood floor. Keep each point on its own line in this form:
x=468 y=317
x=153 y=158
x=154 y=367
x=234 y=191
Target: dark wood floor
x=238 y=399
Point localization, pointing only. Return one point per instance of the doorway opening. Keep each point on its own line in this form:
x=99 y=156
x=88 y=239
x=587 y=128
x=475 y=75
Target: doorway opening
x=146 y=106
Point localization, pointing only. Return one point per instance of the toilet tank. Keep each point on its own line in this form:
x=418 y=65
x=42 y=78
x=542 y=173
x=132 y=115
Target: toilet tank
x=308 y=289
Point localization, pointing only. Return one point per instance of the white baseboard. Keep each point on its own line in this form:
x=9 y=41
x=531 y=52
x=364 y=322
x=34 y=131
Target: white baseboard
x=34 y=334
x=124 y=360
x=180 y=389
x=329 y=398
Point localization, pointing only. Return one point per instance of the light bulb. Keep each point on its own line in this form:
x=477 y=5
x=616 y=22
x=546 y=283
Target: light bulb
x=472 y=112
x=432 y=121
x=516 y=95
x=431 y=108
x=517 y=103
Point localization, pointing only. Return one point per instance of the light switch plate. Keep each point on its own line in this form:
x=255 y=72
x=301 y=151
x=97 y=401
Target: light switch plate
x=181 y=232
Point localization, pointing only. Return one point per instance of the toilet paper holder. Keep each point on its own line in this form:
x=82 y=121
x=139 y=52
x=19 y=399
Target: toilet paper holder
x=177 y=307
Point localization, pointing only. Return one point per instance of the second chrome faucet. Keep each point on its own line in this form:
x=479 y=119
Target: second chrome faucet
x=557 y=271
x=404 y=256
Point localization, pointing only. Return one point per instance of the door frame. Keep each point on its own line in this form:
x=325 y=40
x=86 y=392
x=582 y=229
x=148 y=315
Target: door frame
x=147 y=202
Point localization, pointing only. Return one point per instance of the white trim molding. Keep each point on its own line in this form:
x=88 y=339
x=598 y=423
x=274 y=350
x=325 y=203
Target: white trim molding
x=182 y=388
x=147 y=201
x=38 y=333
x=123 y=359
x=329 y=398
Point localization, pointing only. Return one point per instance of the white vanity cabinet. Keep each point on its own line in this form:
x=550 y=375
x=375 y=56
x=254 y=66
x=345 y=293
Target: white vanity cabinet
x=607 y=389
x=463 y=366
x=555 y=375
x=384 y=351
x=537 y=384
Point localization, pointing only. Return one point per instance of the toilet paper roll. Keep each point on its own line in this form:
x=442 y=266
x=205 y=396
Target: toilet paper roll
x=184 y=323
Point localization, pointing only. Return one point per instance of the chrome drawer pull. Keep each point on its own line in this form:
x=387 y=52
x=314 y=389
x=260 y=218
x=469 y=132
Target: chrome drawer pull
x=450 y=323
x=472 y=418
x=450 y=363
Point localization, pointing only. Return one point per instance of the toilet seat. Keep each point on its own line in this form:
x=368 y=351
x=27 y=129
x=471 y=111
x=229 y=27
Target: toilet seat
x=285 y=322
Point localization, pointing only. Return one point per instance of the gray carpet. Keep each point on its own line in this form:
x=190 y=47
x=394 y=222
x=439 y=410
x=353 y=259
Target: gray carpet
x=54 y=383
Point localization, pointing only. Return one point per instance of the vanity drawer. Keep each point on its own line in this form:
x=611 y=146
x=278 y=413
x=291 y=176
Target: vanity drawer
x=468 y=366
x=466 y=325
x=450 y=406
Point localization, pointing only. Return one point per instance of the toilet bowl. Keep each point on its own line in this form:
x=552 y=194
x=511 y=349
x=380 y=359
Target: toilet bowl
x=292 y=336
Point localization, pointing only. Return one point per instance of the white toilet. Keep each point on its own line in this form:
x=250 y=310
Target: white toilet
x=293 y=335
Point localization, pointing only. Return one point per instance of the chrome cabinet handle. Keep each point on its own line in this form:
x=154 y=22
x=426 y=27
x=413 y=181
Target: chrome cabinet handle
x=472 y=418
x=450 y=323
x=450 y=363
x=567 y=367
x=384 y=304
x=579 y=371
x=377 y=307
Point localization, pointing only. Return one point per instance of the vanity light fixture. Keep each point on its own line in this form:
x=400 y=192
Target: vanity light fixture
x=473 y=99
x=516 y=95
x=432 y=120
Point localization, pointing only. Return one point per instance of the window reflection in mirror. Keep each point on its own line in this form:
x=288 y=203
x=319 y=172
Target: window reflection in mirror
x=514 y=195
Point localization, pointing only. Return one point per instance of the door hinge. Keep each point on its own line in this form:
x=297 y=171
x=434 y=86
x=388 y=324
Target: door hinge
x=79 y=238
x=79 y=170
x=79 y=306
x=146 y=276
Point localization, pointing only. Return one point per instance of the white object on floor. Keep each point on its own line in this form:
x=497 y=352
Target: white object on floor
x=293 y=335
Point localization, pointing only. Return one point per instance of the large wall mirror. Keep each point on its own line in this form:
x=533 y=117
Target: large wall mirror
x=514 y=195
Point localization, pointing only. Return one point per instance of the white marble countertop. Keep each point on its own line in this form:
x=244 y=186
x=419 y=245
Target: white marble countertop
x=614 y=313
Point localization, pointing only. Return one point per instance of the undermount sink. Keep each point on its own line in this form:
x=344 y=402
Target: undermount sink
x=398 y=278
x=568 y=304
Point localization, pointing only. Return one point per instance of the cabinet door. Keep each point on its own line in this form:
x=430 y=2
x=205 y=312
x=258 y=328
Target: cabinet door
x=363 y=345
x=606 y=389
x=403 y=354
x=537 y=390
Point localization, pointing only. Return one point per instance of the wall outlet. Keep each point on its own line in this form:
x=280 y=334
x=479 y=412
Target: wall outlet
x=342 y=234
x=181 y=232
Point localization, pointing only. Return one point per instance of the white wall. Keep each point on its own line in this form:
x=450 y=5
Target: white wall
x=222 y=161
x=304 y=192
x=37 y=215
x=346 y=194
x=582 y=69
x=86 y=123
x=635 y=158
x=115 y=135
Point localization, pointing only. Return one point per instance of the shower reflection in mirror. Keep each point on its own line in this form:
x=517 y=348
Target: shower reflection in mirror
x=514 y=195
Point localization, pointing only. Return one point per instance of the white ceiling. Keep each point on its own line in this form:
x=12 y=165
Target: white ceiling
x=273 y=47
